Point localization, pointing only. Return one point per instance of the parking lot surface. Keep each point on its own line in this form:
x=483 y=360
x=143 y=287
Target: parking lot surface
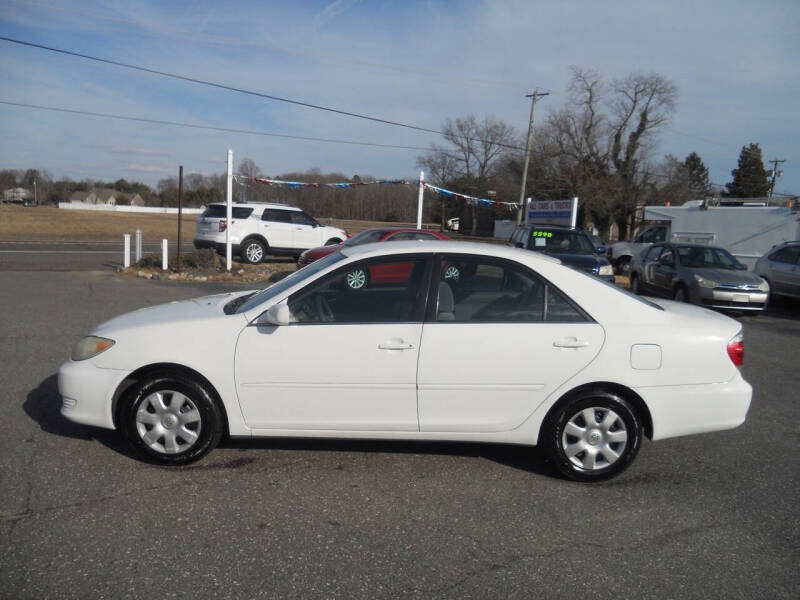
x=708 y=516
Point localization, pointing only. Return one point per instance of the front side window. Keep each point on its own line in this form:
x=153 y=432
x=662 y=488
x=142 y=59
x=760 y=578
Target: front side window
x=789 y=255
x=499 y=292
x=372 y=291
x=652 y=253
x=695 y=257
x=301 y=218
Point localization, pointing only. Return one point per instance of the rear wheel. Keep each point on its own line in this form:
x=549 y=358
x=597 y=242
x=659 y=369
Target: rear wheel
x=357 y=278
x=253 y=251
x=170 y=419
x=592 y=437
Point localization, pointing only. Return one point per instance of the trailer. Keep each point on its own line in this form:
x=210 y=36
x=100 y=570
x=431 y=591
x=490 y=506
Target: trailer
x=747 y=229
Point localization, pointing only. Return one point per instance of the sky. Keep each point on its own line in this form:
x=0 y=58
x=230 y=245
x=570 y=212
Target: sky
x=736 y=65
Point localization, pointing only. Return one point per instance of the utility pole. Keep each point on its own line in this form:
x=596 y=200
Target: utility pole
x=775 y=174
x=534 y=99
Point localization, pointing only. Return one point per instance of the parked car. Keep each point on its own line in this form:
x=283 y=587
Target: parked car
x=571 y=246
x=454 y=223
x=699 y=274
x=520 y=350
x=260 y=229
x=781 y=268
x=598 y=243
x=379 y=274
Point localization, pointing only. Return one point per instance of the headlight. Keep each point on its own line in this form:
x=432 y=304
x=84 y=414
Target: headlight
x=705 y=283
x=90 y=346
x=764 y=287
x=605 y=270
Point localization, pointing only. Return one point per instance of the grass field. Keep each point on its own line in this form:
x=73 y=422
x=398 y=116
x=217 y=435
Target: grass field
x=50 y=223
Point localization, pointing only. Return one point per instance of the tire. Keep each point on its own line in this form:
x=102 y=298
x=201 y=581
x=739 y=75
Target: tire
x=253 y=251
x=680 y=294
x=593 y=436
x=333 y=242
x=170 y=420
x=634 y=284
x=623 y=265
x=357 y=279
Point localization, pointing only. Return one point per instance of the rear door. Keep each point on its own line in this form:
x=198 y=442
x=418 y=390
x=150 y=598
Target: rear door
x=495 y=344
x=276 y=227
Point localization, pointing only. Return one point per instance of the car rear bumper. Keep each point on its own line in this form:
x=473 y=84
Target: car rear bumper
x=87 y=392
x=687 y=409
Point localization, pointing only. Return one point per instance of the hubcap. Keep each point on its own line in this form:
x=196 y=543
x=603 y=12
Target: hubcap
x=594 y=438
x=356 y=279
x=452 y=273
x=168 y=422
x=254 y=253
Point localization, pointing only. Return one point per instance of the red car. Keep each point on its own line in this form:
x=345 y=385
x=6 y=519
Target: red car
x=394 y=273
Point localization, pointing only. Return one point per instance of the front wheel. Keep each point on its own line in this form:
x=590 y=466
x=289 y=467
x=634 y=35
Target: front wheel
x=634 y=283
x=593 y=437
x=333 y=242
x=623 y=265
x=357 y=278
x=170 y=420
x=680 y=294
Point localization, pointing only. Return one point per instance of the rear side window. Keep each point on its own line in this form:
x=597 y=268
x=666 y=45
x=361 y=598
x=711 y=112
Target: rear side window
x=788 y=255
x=220 y=211
x=277 y=215
x=483 y=290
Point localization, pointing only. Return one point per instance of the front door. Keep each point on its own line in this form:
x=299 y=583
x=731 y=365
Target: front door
x=500 y=342
x=305 y=232
x=348 y=362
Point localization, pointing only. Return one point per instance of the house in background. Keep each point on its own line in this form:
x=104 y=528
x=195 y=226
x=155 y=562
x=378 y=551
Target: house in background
x=135 y=199
x=17 y=194
x=85 y=197
x=107 y=196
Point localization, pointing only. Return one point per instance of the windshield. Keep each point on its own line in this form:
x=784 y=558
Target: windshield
x=284 y=284
x=695 y=257
x=366 y=237
x=561 y=242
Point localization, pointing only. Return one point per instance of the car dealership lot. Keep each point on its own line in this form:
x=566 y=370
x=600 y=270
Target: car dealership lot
x=705 y=516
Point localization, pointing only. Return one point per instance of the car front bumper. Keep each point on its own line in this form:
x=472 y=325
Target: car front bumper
x=87 y=392
x=747 y=300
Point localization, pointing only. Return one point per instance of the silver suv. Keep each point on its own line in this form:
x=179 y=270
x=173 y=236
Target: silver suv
x=259 y=229
x=781 y=267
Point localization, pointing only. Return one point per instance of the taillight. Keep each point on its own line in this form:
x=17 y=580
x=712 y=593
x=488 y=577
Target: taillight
x=736 y=349
x=223 y=225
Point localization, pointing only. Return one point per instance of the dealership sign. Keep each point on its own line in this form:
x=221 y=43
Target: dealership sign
x=552 y=212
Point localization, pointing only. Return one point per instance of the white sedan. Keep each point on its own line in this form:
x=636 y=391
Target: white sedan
x=519 y=349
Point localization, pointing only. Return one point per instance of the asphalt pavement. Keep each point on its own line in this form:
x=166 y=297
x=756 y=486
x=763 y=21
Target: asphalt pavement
x=706 y=516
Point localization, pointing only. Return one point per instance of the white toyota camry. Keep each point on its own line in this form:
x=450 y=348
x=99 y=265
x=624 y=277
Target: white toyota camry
x=415 y=341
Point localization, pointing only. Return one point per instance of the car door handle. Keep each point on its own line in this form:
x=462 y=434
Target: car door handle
x=396 y=345
x=570 y=342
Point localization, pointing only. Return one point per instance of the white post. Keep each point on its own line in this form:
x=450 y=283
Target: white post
x=419 y=198
x=126 y=253
x=164 y=261
x=138 y=245
x=229 y=214
x=574 y=212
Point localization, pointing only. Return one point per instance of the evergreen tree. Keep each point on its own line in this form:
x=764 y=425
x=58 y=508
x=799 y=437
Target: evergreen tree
x=697 y=172
x=750 y=177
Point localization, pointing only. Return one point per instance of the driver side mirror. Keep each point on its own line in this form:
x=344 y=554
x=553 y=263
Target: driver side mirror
x=277 y=314
x=601 y=250
x=741 y=267
x=519 y=245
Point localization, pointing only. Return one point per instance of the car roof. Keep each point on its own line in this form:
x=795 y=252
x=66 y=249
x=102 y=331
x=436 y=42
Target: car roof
x=454 y=247
x=558 y=227
x=255 y=205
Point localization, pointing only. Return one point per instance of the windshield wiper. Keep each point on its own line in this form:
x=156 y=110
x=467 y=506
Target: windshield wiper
x=232 y=306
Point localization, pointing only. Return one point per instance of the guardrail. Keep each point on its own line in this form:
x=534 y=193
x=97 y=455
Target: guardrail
x=129 y=209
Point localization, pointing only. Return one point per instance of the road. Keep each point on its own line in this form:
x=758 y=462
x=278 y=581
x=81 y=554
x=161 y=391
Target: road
x=708 y=516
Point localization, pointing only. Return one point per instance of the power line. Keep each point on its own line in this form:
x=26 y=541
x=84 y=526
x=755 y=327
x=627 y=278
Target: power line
x=218 y=85
x=241 y=90
x=161 y=28
x=208 y=127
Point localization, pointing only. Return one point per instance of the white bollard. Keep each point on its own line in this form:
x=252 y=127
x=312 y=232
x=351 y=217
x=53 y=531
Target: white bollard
x=126 y=256
x=138 y=245
x=164 y=261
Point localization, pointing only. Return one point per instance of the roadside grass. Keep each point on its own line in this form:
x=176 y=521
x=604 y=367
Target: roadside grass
x=47 y=223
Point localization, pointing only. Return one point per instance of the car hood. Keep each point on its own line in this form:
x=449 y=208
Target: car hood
x=581 y=261
x=728 y=276
x=198 y=309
